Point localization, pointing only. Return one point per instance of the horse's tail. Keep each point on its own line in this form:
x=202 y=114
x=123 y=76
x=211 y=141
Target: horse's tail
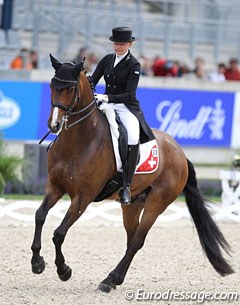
x=210 y=236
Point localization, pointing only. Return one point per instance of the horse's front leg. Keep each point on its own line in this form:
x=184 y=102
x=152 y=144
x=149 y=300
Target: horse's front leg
x=38 y=264
x=74 y=212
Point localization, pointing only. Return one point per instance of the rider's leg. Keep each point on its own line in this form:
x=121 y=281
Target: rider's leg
x=131 y=123
x=128 y=172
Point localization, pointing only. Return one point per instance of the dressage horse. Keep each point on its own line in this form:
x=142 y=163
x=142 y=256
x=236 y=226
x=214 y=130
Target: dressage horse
x=81 y=162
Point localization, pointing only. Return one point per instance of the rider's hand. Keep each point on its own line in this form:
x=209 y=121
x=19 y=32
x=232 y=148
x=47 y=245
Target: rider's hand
x=101 y=98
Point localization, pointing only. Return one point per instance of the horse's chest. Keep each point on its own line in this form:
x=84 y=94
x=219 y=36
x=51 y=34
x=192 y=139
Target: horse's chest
x=63 y=169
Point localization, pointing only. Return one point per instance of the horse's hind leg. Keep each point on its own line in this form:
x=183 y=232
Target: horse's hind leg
x=131 y=214
x=116 y=277
x=38 y=264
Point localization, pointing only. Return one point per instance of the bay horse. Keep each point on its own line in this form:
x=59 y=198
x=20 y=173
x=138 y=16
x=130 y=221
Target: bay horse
x=81 y=162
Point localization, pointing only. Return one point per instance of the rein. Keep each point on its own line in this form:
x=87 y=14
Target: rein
x=67 y=115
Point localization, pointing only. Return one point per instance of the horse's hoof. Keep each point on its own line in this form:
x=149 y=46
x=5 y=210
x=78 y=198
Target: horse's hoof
x=67 y=274
x=39 y=267
x=105 y=287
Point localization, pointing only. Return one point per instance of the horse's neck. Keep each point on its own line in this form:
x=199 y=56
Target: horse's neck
x=86 y=93
x=91 y=130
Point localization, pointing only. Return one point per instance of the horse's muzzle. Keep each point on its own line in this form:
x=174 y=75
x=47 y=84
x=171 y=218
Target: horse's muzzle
x=55 y=128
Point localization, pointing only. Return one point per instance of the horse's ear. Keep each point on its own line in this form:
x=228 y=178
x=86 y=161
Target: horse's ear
x=78 y=68
x=55 y=63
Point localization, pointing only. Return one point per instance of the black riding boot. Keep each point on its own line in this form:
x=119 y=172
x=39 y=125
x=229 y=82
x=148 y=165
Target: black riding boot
x=128 y=172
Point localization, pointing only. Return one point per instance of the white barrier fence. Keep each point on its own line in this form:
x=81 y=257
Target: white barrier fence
x=230 y=187
x=107 y=212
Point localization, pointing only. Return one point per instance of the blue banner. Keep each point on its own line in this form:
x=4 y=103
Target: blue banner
x=193 y=118
x=19 y=109
x=45 y=108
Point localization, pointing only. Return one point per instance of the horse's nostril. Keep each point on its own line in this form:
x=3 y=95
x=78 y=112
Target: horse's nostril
x=54 y=128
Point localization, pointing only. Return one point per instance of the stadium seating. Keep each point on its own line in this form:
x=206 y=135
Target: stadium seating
x=174 y=29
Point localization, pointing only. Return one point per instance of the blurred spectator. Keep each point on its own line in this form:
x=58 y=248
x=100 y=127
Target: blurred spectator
x=232 y=72
x=91 y=62
x=199 y=73
x=34 y=59
x=164 y=67
x=21 y=61
x=25 y=60
x=218 y=76
x=82 y=53
x=199 y=61
x=183 y=69
x=146 y=65
x=199 y=69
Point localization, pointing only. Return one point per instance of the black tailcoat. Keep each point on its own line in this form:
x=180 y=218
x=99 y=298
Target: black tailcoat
x=121 y=85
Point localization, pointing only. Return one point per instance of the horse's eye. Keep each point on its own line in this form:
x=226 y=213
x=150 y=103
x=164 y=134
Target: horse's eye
x=71 y=89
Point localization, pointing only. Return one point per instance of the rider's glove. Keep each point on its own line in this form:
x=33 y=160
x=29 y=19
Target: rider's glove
x=101 y=98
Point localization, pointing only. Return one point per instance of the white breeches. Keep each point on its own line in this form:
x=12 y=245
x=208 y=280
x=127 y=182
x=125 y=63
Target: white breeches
x=130 y=122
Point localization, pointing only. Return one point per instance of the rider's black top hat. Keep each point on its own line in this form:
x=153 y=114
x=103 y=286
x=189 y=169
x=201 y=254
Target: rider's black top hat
x=121 y=34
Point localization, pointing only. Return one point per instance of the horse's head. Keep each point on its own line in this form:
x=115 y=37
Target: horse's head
x=65 y=92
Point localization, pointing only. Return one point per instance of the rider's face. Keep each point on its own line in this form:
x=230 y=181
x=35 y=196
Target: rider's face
x=121 y=47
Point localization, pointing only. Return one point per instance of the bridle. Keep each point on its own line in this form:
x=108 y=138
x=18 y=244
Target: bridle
x=69 y=109
x=75 y=101
x=76 y=97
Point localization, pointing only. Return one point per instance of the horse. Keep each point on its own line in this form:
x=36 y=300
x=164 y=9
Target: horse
x=81 y=162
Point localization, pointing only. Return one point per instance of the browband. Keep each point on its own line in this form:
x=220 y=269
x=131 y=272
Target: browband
x=65 y=80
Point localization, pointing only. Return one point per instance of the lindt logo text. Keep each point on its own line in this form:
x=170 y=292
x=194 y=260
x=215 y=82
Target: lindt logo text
x=169 y=115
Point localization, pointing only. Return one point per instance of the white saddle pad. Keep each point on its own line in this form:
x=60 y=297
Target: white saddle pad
x=149 y=156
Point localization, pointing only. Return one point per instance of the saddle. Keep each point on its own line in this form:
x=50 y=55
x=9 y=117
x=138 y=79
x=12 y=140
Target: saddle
x=148 y=160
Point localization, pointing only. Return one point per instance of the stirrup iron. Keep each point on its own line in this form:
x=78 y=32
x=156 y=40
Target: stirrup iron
x=125 y=196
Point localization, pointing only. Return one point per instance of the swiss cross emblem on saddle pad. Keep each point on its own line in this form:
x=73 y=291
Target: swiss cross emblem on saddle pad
x=148 y=161
x=149 y=158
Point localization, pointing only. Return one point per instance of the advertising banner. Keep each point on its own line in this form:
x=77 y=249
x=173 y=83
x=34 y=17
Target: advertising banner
x=235 y=143
x=19 y=110
x=45 y=107
x=192 y=117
